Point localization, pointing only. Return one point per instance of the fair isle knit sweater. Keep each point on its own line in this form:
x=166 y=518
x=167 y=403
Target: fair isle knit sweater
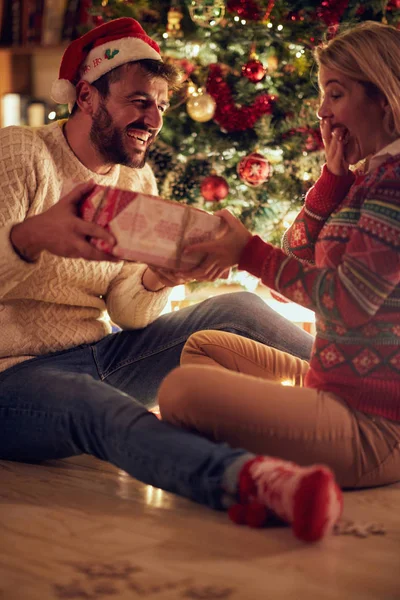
x=347 y=238
x=58 y=303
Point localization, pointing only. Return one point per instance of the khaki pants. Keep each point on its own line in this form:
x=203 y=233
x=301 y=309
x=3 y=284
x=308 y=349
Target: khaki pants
x=230 y=390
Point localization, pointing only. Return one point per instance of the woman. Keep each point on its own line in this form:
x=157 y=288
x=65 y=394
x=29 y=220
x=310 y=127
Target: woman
x=342 y=260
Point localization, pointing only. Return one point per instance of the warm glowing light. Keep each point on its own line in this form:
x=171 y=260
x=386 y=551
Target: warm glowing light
x=178 y=293
x=52 y=115
x=287 y=382
x=165 y=35
x=124 y=484
x=292 y=311
x=306 y=176
x=280 y=27
x=154 y=496
x=249 y=282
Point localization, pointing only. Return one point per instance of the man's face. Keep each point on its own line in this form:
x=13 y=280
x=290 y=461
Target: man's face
x=127 y=122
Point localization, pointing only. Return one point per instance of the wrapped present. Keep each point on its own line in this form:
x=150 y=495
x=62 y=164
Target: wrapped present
x=149 y=229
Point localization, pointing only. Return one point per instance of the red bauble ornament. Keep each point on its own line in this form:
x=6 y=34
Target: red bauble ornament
x=214 y=188
x=313 y=139
x=254 y=70
x=98 y=20
x=254 y=169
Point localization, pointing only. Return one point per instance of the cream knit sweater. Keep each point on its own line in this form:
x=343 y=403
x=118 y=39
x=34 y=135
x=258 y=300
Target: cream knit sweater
x=57 y=303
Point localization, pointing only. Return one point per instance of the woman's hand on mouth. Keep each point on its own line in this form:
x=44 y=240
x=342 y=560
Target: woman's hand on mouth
x=335 y=139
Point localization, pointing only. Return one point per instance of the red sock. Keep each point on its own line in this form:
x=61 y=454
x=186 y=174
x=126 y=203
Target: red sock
x=306 y=497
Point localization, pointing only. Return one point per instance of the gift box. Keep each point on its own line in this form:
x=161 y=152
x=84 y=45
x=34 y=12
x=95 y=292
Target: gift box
x=149 y=229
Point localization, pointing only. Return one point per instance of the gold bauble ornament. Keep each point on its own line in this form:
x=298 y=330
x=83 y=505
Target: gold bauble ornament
x=207 y=13
x=273 y=63
x=201 y=107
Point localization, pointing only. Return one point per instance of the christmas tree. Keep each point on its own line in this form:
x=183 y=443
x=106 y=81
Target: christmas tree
x=242 y=132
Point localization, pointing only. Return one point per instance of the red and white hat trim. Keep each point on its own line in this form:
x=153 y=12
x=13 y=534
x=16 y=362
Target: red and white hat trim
x=78 y=64
x=106 y=57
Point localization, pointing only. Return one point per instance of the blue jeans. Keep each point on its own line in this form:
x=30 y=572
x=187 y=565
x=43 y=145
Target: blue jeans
x=92 y=398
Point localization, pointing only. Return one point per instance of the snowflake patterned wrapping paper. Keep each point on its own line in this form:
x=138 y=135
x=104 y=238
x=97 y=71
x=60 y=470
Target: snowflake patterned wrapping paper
x=149 y=229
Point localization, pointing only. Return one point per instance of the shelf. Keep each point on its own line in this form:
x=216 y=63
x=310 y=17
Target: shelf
x=32 y=49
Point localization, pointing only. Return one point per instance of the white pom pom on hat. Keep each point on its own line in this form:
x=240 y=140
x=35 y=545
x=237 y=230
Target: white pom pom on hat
x=63 y=92
x=99 y=51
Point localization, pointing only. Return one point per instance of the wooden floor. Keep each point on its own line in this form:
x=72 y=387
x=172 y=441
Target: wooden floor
x=81 y=529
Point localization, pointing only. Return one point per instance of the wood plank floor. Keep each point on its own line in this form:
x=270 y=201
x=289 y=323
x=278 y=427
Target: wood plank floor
x=82 y=529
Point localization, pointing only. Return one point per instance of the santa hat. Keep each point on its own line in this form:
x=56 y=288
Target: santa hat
x=100 y=50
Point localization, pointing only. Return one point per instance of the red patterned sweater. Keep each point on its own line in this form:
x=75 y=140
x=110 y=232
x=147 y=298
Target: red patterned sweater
x=342 y=260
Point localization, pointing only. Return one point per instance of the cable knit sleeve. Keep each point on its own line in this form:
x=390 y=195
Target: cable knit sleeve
x=321 y=200
x=129 y=304
x=18 y=183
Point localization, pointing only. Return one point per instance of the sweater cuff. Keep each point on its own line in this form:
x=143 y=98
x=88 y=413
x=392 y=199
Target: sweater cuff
x=147 y=289
x=147 y=307
x=328 y=191
x=250 y=259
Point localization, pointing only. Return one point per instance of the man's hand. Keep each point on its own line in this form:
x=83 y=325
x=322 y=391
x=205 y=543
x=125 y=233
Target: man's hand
x=224 y=252
x=334 y=142
x=60 y=231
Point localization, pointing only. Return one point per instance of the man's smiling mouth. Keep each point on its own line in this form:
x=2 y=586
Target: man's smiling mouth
x=141 y=136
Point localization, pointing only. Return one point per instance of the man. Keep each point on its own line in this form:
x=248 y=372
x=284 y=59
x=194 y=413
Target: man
x=66 y=382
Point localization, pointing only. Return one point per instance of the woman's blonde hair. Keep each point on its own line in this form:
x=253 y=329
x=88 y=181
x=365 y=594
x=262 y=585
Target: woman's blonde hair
x=368 y=53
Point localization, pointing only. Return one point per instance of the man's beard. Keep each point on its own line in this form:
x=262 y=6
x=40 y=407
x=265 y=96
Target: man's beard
x=109 y=141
